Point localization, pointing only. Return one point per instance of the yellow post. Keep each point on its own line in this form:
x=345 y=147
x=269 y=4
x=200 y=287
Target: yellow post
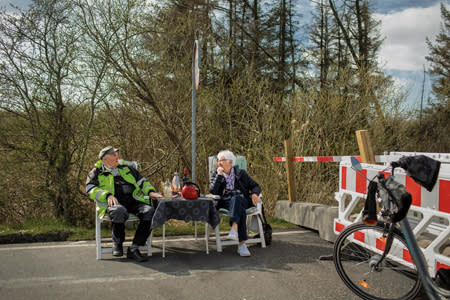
x=290 y=168
x=365 y=148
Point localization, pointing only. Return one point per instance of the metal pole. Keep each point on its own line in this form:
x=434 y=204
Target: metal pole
x=195 y=77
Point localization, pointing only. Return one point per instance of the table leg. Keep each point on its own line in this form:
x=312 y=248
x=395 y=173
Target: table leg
x=164 y=241
x=195 y=229
x=218 y=241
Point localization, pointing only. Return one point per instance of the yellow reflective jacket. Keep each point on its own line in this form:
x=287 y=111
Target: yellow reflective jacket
x=100 y=184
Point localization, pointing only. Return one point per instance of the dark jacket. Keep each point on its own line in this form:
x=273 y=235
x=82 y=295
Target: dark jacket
x=243 y=182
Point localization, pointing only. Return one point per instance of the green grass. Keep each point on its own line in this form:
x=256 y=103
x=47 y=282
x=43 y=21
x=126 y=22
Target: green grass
x=45 y=226
x=173 y=227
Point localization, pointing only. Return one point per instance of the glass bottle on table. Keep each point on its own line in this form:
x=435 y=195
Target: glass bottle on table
x=167 y=190
x=176 y=188
x=161 y=188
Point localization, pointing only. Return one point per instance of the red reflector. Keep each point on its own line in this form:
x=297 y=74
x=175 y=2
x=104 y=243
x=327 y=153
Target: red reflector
x=370 y=222
x=364 y=284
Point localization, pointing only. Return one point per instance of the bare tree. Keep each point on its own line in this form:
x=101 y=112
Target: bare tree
x=150 y=51
x=321 y=40
x=42 y=90
x=361 y=35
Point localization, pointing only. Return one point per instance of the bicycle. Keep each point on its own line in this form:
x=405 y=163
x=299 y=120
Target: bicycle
x=372 y=273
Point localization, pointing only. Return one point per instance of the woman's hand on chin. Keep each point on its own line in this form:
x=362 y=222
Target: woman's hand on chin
x=220 y=171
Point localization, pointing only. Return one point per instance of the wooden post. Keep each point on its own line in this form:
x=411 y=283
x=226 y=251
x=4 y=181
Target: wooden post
x=365 y=148
x=290 y=170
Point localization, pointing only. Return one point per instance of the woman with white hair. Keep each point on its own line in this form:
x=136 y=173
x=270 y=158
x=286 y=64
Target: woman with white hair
x=238 y=191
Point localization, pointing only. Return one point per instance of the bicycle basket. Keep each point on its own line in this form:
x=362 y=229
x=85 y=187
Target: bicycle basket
x=402 y=198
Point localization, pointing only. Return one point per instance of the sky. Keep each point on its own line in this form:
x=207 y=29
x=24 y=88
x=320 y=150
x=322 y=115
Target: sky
x=405 y=25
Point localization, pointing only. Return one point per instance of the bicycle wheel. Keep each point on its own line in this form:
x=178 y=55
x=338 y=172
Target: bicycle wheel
x=356 y=252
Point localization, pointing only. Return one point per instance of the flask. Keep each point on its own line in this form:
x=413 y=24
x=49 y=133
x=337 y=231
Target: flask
x=185 y=177
x=176 y=183
x=167 y=190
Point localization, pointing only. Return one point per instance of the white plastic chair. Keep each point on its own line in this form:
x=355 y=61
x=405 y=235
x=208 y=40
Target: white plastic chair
x=131 y=218
x=252 y=212
x=105 y=249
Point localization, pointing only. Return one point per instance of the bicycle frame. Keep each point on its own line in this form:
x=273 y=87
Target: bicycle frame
x=416 y=254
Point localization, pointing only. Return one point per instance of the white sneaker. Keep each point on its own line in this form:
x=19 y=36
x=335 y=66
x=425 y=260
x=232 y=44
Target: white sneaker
x=232 y=235
x=243 y=250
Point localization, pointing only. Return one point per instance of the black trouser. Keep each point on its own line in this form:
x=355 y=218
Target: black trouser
x=119 y=214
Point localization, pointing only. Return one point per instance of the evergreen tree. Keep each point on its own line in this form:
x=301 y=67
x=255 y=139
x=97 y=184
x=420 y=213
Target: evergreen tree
x=435 y=123
x=439 y=58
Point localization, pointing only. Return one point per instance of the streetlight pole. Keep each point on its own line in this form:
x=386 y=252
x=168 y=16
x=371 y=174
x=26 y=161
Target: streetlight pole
x=195 y=82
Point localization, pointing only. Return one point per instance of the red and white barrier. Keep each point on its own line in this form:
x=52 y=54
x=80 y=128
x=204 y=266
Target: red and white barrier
x=437 y=199
x=386 y=158
x=316 y=158
x=429 y=214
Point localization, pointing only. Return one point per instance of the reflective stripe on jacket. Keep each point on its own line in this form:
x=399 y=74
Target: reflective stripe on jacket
x=100 y=184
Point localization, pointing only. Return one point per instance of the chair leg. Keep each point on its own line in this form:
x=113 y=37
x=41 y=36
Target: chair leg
x=261 y=233
x=149 y=244
x=98 y=236
x=207 y=237
x=218 y=241
x=164 y=241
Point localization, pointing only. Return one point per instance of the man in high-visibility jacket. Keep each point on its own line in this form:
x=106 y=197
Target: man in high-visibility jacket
x=119 y=189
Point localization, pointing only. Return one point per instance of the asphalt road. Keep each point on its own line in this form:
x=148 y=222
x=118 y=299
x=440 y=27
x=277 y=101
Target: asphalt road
x=288 y=269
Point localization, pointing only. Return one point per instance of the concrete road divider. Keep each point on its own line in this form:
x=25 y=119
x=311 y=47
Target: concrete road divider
x=318 y=217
